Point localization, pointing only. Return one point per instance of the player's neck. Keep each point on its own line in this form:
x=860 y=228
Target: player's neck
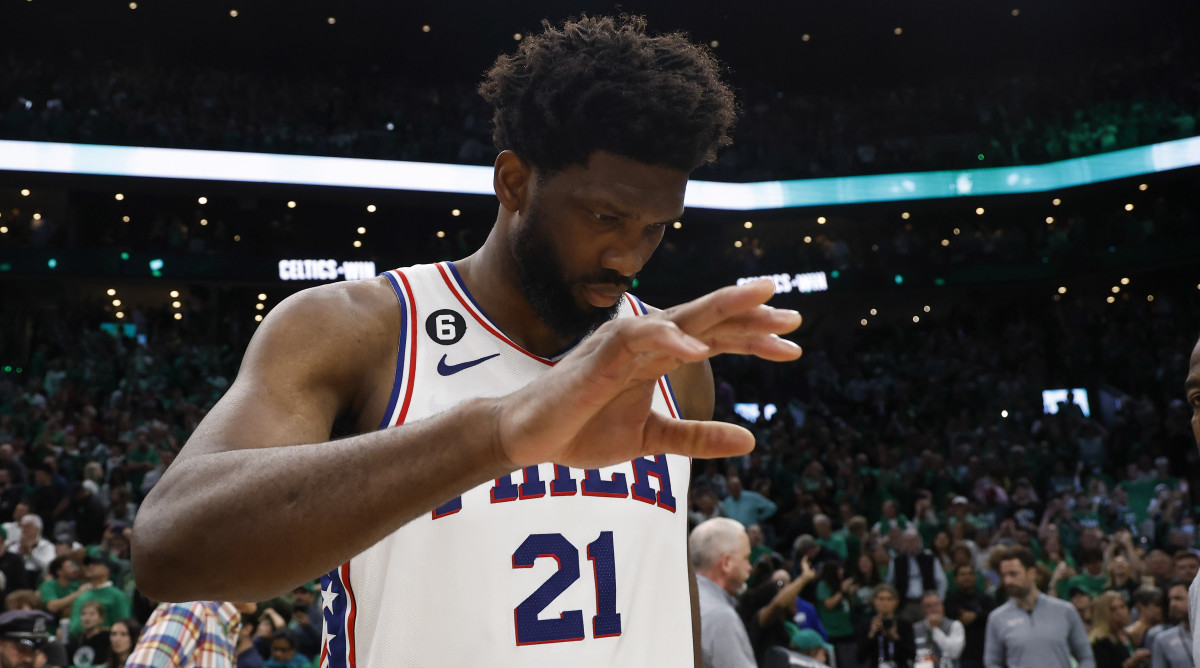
x=491 y=277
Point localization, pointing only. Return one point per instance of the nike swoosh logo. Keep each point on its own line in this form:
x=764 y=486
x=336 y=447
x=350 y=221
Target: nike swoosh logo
x=451 y=369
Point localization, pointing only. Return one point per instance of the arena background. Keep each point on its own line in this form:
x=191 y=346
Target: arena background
x=935 y=321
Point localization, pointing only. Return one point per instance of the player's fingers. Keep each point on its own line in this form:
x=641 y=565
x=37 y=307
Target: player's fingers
x=767 y=346
x=693 y=438
x=759 y=320
x=623 y=344
x=630 y=349
x=705 y=312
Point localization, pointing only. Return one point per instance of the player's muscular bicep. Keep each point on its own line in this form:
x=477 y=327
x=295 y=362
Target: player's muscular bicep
x=309 y=363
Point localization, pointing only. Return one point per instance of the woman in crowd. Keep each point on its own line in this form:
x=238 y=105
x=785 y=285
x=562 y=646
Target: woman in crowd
x=1053 y=553
x=941 y=549
x=864 y=578
x=886 y=641
x=960 y=555
x=833 y=607
x=1110 y=643
x=1121 y=578
x=121 y=639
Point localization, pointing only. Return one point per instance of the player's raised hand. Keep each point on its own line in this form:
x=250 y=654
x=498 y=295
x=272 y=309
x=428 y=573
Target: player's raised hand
x=593 y=408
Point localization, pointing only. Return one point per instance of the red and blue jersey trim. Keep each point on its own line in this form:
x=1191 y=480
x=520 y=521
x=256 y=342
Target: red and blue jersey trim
x=459 y=289
x=338 y=645
x=402 y=387
x=664 y=383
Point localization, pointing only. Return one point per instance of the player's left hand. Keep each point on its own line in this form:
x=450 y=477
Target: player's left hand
x=593 y=408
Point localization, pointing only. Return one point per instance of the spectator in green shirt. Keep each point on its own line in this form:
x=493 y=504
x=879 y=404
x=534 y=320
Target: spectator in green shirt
x=63 y=587
x=1092 y=579
x=1052 y=551
x=892 y=519
x=828 y=539
x=758 y=548
x=142 y=459
x=833 y=607
x=116 y=603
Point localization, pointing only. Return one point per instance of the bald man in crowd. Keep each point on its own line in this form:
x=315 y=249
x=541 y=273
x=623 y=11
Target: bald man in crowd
x=720 y=554
x=1191 y=390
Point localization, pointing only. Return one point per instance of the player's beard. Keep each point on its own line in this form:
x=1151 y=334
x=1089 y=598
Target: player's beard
x=549 y=289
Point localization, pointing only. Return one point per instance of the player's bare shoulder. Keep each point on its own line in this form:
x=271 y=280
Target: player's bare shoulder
x=317 y=359
x=693 y=385
x=344 y=331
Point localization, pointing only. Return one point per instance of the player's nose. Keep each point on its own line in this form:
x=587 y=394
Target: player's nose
x=626 y=256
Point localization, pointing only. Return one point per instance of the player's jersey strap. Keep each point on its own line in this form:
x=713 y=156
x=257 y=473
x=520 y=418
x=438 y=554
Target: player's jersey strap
x=338 y=610
x=406 y=352
x=664 y=383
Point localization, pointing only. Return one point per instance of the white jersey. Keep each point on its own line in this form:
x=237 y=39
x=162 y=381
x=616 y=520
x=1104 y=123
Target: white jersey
x=548 y=566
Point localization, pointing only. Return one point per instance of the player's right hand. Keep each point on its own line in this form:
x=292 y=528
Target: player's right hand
x=593 y=408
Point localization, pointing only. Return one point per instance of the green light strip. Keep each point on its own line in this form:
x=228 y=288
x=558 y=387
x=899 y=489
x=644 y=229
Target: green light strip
x=22 y=156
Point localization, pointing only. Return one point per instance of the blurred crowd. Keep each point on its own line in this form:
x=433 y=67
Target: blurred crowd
x=1080 y=106
x=926 y=441
x=932 y=443
x=86 y=430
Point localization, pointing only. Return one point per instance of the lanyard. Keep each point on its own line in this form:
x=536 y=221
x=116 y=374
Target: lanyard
x=891 y=649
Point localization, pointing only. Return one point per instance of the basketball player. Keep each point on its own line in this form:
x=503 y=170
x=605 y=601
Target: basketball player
x=513 y=492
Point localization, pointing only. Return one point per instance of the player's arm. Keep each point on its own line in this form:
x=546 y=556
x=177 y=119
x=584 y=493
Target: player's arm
x=259 y=473
x=259 y=470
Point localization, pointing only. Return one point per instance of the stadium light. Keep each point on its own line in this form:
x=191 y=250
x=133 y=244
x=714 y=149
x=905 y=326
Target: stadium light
x=233 y=166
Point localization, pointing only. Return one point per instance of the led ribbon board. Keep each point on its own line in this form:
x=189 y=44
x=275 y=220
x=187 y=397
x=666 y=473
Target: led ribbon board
x=171 y=163
x=813 y=281
x=325 y=270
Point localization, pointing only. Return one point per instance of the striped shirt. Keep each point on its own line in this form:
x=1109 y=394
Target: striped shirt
x=199 y=634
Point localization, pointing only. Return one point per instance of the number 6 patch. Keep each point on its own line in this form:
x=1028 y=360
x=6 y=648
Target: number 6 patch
x=445 y=326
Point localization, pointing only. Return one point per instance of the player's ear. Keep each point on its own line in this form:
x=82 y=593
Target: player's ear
x=511 y=178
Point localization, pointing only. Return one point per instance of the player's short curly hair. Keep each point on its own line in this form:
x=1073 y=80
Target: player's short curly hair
x=599 y=83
